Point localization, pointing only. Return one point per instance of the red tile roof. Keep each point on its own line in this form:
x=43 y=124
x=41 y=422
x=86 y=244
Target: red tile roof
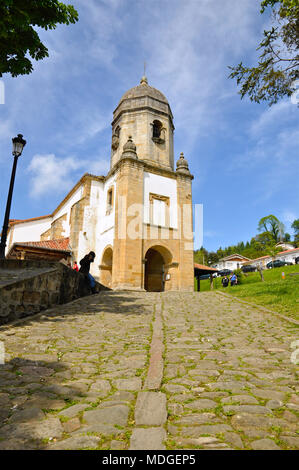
x=280 y=253
x=206 y=268
x=60 y=244
x=288 y=251
x=21 y=221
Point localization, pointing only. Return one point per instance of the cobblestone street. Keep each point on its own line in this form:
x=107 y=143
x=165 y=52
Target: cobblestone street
x=127 y=370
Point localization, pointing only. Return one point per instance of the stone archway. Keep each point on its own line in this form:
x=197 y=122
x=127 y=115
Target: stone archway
x=156 y=258
x=106 y=267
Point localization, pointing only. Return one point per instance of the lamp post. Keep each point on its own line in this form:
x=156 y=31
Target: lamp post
x=18 y=143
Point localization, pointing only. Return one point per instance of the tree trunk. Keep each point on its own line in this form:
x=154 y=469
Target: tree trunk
x=261 y=273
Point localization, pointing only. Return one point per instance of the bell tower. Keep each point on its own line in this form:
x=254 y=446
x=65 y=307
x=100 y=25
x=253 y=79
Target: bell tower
x=147 y=239
x=144 y=114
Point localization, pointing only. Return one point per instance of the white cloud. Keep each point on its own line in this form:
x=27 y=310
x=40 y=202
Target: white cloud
x=52 y=175
x=189 y=47
x=276 y=115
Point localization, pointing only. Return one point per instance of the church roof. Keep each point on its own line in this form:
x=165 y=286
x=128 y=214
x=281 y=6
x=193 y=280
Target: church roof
x=59 y=244
x=144 y=90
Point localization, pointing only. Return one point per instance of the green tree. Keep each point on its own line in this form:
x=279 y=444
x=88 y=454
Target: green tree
x=212 y=257
x=287 y=237
x=273 y=226
x=18 y=38
x=277 y=68
x=273 y=251
x=201 y=256
x=295 y=227
x=263 y=240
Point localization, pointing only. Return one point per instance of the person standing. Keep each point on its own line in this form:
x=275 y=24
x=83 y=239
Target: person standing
x=224 y=281
x=233 y=280
x=75 y=267
x=85 y=267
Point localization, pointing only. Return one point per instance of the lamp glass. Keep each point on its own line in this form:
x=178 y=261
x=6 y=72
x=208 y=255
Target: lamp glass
x=18 y=145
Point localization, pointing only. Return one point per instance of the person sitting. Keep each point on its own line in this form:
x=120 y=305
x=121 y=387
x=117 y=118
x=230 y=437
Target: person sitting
x=85 y=267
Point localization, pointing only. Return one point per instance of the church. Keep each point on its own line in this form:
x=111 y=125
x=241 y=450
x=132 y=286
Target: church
x=137 y=218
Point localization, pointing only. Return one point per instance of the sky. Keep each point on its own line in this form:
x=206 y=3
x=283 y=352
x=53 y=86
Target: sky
x=243 y=155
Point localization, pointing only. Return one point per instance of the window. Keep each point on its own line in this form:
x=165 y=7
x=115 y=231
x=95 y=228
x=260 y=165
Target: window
x=159 y=210
x=115 y=138
x=157 y=126
x=158 y=132
x=109 y=201
x=117 y=131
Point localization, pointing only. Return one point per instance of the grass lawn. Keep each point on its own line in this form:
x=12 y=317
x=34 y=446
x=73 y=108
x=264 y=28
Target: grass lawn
x=277 y=294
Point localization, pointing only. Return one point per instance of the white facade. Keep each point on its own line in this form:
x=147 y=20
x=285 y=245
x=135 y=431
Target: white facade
x=289 y=255
x=29 y=231
x=156 y=184
x=231 y=262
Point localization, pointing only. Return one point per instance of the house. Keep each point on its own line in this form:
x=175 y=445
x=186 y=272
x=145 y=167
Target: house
x=285 y=245
x=52 y=250
x=231 y=262
x=286 y=255
x=259 y=262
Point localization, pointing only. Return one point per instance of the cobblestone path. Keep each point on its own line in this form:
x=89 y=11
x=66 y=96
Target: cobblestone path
x=127 y=370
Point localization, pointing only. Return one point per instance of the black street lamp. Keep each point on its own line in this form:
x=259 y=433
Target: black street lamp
x=18 y=143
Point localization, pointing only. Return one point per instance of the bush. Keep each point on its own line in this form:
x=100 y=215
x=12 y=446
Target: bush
x=240 y=276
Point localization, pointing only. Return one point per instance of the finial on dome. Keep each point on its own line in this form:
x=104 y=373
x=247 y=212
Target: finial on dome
x=182 y=164
x=143 y=80
x=129 y=149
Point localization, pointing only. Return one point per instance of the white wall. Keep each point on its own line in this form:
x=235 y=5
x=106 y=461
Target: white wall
x=232 y=265
x=29 y=231
x=66 y=209
x=32 y=230
x=98 y=228
x=164 y=187
x=290 y=257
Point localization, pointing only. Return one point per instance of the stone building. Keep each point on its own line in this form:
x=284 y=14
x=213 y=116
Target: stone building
x=137 y=218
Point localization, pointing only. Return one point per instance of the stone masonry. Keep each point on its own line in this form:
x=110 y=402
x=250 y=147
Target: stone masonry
x=27 y=287
x=133 y=370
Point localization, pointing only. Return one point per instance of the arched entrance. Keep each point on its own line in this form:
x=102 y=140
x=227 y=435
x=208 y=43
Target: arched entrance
x=154 y=276
x=106 y=267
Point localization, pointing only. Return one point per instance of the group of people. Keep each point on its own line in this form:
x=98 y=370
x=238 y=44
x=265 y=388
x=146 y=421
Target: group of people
x=233 y=280
x=84 y=269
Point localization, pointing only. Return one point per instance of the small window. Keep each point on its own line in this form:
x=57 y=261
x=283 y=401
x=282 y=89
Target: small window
x=158 y=132
x=115 y=138
x=109 y=201
x=159 y=210
x=157 y=127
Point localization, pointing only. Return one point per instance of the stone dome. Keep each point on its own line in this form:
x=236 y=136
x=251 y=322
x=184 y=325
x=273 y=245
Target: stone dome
x=144 y=90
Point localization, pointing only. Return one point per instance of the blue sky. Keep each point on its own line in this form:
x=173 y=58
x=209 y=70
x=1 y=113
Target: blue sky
x=244 y=156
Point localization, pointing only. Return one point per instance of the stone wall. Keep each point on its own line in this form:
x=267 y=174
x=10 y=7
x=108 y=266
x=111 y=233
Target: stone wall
x=27 y=287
